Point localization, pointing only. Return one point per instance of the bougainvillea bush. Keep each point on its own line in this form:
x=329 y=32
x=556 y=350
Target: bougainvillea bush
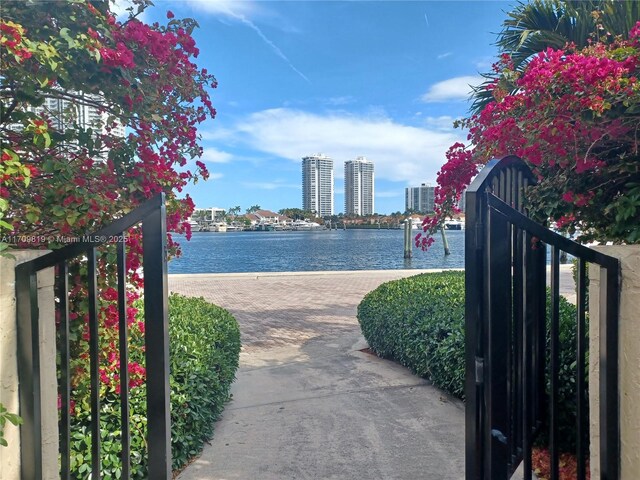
x=62 y=177
x=574 y=118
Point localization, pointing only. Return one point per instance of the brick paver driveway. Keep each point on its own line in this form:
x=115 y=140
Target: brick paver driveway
x=307 y=404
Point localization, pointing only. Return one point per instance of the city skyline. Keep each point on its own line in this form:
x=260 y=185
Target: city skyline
x=383 y=79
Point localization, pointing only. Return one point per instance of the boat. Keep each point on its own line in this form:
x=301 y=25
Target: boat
x=218 y=227
x=305 y=225
x=416 y=224
x=454 y=225
x=195 y=226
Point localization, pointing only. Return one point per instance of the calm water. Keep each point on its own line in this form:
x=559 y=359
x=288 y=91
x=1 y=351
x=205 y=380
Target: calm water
x=211 y=252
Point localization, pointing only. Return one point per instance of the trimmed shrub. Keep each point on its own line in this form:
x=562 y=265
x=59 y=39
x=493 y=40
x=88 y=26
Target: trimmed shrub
x=204 y=352
x=419 y=322
x=205 y=348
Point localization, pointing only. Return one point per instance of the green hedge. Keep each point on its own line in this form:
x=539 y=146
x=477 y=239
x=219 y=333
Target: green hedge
x=419 y=322
x=204 y=353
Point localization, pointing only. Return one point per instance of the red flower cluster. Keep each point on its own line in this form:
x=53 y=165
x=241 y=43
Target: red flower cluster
x=573 y=118
x=138 y=76
x=11 y=38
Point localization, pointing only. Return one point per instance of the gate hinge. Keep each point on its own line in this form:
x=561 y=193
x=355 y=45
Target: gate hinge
x=479 y=370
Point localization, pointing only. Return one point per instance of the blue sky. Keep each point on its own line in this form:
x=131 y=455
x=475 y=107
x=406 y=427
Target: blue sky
x=383 y=79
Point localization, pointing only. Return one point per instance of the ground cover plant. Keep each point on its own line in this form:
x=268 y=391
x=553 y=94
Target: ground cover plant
x=419 y=322
x=204 y=352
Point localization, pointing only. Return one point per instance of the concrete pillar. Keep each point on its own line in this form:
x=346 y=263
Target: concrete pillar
x=10 y=456
x=628 y=360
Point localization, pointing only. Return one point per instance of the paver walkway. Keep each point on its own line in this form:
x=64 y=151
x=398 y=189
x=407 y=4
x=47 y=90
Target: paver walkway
x=307 y=404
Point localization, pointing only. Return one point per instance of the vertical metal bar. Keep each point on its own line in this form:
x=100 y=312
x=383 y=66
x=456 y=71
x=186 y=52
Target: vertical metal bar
x=29 y=372
x=528 y=339
x=474 y=233
x=64 y=387
x=498 y=317
x=555 y=361
x=540 y=328
x=94 y=355
x=519 y=188
x=518 y=359
x=154 y=238
x=582 y=446
x=609 y=399
x=124 y=357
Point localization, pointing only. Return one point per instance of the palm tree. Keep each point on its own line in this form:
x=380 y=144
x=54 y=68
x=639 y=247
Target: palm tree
x=540 y=24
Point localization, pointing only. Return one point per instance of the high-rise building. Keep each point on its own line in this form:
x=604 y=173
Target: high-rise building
x=63 y=113
x=317 y=184
x=419 y=199
x=358 y=187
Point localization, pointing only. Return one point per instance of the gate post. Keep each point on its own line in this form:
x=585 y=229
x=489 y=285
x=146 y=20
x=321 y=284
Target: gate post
x=154 y=238
x=36 y=335
x=474 y=362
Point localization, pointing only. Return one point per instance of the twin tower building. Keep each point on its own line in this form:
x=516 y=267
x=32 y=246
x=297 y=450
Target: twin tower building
x=317 y=186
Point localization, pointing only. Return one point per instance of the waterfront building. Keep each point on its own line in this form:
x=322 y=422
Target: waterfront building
x=79 y=109
x=211 y=214
x=359 y=187
x=419 y=199
x=268 y=220
x=317 y=184
x=73 y=109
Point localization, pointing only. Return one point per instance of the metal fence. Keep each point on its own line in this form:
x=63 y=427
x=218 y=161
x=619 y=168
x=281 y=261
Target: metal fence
x=513 y=344
x=151 y=216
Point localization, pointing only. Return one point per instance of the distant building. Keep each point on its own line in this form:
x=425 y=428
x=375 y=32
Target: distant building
x=211 y=214
x=317 y=184
x=419 y=199
x=84 y=112
x=358 y=187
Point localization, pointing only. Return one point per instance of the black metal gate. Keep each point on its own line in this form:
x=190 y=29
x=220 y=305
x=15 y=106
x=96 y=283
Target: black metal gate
x=507 y=356
x=151 y=216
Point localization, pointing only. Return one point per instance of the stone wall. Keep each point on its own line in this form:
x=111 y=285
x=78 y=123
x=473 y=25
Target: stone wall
x=629 y=361
x=9 y=391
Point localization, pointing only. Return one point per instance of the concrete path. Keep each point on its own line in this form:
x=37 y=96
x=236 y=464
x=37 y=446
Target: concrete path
x=307 y=403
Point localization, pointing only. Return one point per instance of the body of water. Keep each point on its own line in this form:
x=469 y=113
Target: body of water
x=230 y=252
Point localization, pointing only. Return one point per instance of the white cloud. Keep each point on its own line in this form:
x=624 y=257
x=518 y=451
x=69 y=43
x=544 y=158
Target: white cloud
x=215 y=176
x=444 y=122
x=399 y=152
x=444 y=55
x=215 y=156
x=458 y=88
